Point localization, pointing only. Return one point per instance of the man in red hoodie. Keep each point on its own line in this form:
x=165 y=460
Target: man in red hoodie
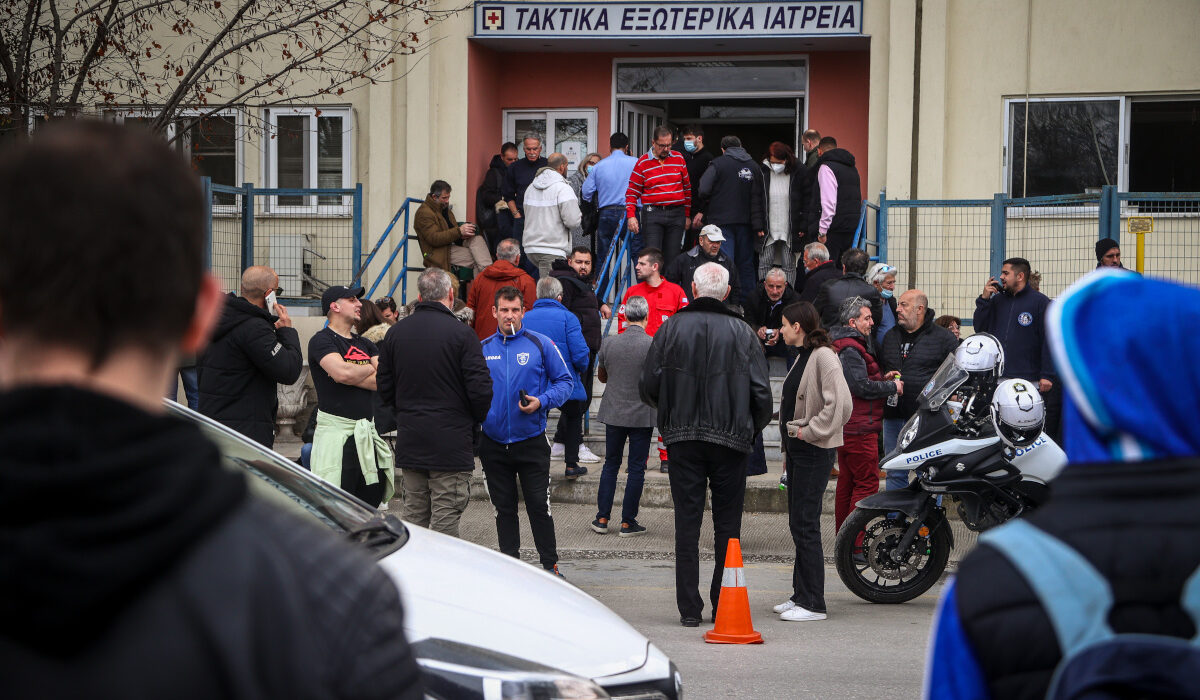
x=502 y=273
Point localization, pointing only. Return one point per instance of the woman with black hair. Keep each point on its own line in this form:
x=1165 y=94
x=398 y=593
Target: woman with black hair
x=816 y=403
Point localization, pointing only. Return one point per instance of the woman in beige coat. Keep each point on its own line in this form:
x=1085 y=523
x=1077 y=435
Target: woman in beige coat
x=816 y=404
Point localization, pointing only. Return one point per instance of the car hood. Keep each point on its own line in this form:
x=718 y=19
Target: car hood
x=460 y=591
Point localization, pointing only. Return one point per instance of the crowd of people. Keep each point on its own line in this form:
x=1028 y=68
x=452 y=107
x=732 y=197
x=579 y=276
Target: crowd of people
x=508 y=326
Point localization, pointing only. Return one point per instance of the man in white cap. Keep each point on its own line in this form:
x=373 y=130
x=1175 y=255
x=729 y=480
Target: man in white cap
x=707 y=249
x=347 y=451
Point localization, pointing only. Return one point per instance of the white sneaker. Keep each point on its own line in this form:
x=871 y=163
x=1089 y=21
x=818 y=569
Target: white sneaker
x=558 y=450
x=784 y=606
x=586 y=456
x=799 y=614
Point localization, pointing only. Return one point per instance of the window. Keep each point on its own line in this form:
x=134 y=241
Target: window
x=309 y=148
x=1078 y=145
x=569 y=132
x=210 y=142
x=1067 y=147
x=715 y=75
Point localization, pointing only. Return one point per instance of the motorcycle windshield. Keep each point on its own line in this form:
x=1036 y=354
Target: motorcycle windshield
x=945 y=382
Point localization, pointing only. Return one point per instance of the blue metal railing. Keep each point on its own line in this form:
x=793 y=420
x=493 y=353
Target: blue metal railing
x=401 y=251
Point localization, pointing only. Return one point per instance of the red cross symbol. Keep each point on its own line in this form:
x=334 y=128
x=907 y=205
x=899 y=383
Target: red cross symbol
x=493 y=18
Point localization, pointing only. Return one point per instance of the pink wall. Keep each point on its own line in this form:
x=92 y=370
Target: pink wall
x=839 y=93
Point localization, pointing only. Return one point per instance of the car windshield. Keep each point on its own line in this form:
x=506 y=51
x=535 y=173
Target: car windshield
x=281 y=482
x=945 y=381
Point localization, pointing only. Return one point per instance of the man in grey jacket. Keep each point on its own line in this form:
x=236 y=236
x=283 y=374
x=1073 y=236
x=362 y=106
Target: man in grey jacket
x=551 y=211
x=624 y=416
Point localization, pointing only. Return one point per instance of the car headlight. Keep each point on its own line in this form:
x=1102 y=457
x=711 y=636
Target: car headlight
x=455 y=670
x=447 y=680
x=910 y=431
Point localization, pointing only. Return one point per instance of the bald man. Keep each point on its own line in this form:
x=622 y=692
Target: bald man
x=253 y=349
x=551 y=211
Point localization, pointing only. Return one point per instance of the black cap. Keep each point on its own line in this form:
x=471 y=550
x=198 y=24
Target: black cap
x=1103 y=246
x=337 y=294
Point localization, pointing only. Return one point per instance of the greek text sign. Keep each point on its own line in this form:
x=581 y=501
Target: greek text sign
x=666 y=20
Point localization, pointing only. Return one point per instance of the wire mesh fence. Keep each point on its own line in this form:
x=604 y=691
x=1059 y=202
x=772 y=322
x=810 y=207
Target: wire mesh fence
x=312 y=238
x=1057 y=235
x=1172 y=244
x=949 y=248
x=952 y=241
x=225 y=235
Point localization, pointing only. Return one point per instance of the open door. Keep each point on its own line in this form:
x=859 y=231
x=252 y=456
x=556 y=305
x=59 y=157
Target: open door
x=639 y=122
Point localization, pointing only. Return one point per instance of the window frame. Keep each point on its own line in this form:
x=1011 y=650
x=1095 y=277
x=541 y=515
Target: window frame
x=271 y=155
x=1007 y=158
x=119 y=116
x=510 y=116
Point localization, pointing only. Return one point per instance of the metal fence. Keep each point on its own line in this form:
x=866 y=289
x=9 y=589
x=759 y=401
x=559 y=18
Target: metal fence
x=312 y=238
x=949 y=248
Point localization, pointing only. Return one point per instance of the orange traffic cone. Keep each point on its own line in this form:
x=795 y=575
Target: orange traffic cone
x=734 y=625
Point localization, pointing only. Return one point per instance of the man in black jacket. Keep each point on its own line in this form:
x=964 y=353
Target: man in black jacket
x=851 y=284
x=254 y=348
x=433 y=378
x=912 y=350
x=706 y=250
x=764 y=313
x=836 y=200
x=710 y=406
x=818 y=269
x=575 y=274
x=171 y=579
x=491 y=211
x=733 y=193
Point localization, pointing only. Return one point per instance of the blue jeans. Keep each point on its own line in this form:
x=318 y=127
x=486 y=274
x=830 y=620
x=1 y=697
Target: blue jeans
x=891 y=435
x=608 y=223
x=739 y=245
x=639 y=451
x=191 y=387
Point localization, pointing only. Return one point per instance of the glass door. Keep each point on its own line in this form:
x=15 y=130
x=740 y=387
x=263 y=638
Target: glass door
x=639 y=122
x=571 y=132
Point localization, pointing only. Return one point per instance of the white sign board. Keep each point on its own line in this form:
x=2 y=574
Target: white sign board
x=667 y=20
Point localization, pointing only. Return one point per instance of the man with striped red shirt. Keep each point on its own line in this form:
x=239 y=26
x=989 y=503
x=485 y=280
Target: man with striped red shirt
x=660 y=180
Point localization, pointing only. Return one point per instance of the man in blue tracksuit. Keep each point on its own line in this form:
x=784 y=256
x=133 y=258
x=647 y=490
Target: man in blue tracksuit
x=513 y=446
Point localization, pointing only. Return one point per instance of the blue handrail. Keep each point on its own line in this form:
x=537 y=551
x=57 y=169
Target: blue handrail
x=401 y=249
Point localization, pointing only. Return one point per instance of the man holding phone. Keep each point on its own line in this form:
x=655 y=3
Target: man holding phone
x=529 y=377
x=254 y=348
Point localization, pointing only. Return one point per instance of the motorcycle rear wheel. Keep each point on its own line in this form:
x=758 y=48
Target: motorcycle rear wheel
x=873 y=575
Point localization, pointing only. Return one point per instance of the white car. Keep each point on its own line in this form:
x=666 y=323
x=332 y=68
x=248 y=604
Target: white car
x=481 y=624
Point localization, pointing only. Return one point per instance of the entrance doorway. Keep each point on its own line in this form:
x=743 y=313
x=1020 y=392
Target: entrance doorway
x=757 y=121
x=757 y=99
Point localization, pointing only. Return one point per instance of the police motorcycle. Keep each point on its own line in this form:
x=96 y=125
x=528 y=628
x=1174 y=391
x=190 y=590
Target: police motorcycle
x=973 y=438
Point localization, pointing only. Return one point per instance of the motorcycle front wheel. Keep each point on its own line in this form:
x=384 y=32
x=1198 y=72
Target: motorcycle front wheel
x=863 y=554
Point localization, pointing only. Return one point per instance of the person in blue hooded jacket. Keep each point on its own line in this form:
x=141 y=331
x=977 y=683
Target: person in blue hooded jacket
x=529 y=377
x=1127 y=503
x=550 y=318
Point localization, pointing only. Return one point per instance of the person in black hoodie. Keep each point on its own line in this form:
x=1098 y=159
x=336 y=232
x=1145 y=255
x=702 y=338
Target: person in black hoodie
x=491 y=212
x=836 y=199
x=252 y=351
x=733 y=193
x=169 y=579
x=691 y=146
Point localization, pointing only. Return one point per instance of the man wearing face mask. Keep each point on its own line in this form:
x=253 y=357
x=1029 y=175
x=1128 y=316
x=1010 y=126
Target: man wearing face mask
x=529 y=377
x=691 y=147
x=254 y=349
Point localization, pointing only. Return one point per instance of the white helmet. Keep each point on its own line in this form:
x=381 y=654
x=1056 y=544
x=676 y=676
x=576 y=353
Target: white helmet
x=1018 y=412
x=981 y=353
